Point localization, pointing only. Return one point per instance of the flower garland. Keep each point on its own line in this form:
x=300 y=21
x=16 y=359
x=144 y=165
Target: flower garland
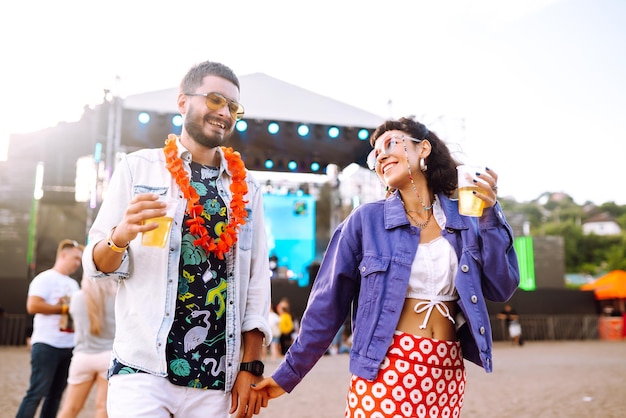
x=238 y=188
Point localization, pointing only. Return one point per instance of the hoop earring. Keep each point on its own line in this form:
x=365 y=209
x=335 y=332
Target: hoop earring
x=423 y=165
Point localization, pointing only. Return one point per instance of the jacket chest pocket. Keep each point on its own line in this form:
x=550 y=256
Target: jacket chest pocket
x=142 y=188
x=246 y=233
x=373 y=271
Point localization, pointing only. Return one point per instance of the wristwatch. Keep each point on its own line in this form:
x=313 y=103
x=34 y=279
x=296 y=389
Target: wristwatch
x=112 y=245
x=255 y=367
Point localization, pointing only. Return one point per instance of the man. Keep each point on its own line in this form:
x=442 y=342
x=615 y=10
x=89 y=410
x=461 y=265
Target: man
x=511 y=319
x=51 y=348
x=192 y=316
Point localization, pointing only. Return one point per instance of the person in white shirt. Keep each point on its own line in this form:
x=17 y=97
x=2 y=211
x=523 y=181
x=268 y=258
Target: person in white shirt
x=51 y=348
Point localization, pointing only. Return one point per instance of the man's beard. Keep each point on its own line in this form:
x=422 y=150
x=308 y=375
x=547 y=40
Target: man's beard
x=196 y=132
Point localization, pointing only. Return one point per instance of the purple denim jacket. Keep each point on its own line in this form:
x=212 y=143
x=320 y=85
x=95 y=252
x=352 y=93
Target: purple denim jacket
x=366 y=271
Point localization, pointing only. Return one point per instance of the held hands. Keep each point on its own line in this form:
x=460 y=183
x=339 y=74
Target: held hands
x=245 y=401
x=270 y=387
x=144 y=206
x=249 y=402
x=488 y=187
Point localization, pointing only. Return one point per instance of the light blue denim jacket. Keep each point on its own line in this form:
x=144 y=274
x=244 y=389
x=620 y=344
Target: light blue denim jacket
x=366 y=268
x=148 y=276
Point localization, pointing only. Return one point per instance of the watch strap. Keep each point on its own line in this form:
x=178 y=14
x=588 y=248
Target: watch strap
x=255 y=367
x=112 y=245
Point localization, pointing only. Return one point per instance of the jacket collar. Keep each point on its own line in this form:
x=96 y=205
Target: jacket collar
x=454 y=220
x=394 y=215
x=185 y=155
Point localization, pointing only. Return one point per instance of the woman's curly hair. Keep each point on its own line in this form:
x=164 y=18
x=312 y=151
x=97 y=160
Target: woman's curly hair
x=441 y=174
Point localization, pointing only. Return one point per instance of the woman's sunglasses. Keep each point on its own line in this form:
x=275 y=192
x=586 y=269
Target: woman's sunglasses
x=388 y=145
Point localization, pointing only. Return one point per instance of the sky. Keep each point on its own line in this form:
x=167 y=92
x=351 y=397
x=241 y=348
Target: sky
x=533 y=89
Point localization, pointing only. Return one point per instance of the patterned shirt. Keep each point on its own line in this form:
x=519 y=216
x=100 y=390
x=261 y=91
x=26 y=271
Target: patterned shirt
x=196 y=345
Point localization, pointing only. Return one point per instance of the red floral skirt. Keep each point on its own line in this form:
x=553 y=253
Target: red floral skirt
x=419 y=377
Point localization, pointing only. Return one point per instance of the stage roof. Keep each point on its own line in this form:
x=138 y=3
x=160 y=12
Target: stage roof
x=268 y=98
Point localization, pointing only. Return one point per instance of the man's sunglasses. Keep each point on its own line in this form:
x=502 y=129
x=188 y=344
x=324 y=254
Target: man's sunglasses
x=216 y=101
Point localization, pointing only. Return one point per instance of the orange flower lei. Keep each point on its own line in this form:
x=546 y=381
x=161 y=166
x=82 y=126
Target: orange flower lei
x=238 y=187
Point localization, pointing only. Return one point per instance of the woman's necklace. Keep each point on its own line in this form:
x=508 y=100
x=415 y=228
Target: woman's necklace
x=238 y=187
x=424 y=207
x=427 y=209
x=420 y=225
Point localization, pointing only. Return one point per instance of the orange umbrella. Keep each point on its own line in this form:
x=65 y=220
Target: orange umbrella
x=609 y=286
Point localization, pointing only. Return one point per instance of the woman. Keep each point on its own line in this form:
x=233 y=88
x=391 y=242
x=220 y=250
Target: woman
x=92 y=309
x=416 y=274
x=285 y=325
x=274 y=320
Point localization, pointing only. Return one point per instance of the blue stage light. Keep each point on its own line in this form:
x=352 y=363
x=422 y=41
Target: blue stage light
x=292 y=165
x=303 y=130
x=315 y=166
x=273 y=128
x=177 y=120
x=363 y=134
x=143 y=118
x=269 y=164
x=333 y=132
x=241 y=125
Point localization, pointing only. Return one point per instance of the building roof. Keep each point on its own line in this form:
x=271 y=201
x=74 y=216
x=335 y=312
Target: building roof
x=268 y=98
x=600 y=217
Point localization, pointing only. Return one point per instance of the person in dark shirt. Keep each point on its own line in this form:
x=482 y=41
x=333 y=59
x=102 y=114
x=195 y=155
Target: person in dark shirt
x=511 y=318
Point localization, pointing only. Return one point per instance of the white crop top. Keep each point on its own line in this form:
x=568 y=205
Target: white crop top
x=432 y=274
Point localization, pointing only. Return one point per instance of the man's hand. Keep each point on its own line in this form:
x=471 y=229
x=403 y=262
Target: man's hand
x=245 y=401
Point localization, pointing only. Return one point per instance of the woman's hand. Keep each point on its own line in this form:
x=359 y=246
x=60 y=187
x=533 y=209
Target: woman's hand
x=270 y=386
x=488 y=187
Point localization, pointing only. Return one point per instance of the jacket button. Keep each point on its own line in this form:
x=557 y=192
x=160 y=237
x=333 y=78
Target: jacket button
x=363 y=269
x=474 y=299
x=450 y=230
x=464 y=268
x=481 y=330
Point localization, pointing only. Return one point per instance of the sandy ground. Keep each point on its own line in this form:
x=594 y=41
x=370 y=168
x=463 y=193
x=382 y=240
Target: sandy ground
x=584 y=379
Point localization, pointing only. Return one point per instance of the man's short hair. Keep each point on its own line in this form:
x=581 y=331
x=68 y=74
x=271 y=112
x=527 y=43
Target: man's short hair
x=69 y=243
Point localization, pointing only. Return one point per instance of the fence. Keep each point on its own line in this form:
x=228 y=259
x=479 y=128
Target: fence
x=13 y=328
x=551 y=327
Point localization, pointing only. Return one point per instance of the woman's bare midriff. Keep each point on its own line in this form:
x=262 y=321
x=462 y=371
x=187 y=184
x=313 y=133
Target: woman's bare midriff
x=438 y=327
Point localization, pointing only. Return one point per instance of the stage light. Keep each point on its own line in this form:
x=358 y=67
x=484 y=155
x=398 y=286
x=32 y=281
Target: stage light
x=315 y=166
x=241 y=125
x=303 y=130
x=273 y=128
x=292 y=165
x=333 y=132
x=363 y=134
x=177 y=120
x=97 y=152
x=143 y=118
x=269 y=164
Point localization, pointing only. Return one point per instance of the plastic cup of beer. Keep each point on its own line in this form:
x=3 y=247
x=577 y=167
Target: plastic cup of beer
x=469 y=204
x=158 y=237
